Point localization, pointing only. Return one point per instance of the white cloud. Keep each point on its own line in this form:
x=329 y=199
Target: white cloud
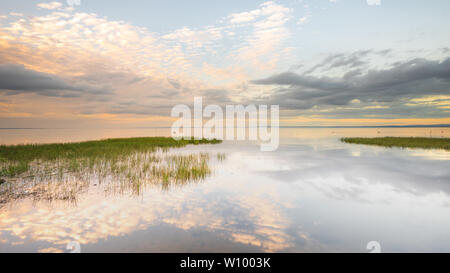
x=258 y=35
x=16 y=14
x=134 y=62
x=195 y=38
x=49 y=5
x=244 y=17
x=74 y=2
x=373 y=2
x=273 y=11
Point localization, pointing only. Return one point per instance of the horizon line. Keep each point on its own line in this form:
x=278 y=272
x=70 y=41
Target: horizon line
x=285 y=127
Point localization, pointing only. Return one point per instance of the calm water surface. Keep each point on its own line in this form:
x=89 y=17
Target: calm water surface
x=315 y=194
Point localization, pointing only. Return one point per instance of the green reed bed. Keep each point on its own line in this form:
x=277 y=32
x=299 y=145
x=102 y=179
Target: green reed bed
x=15 y=159
x=403 y=142
x=61 y=171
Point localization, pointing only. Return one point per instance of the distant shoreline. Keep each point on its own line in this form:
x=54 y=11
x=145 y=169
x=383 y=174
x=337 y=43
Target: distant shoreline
x=281 y=127
x=364 y=127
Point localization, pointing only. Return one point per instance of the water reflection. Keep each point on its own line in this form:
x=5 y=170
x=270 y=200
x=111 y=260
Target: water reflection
x=314 y=194
x=94 y=221
x=65 y=179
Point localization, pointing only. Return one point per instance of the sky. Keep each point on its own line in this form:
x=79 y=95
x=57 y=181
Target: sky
x=98 y=63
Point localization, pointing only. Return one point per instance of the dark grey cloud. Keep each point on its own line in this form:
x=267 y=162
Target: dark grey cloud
x=346 y=60
x=411 y=79
x=16 y=79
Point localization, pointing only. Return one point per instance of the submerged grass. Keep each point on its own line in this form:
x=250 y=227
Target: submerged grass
x=403 y=142
x=61 y=171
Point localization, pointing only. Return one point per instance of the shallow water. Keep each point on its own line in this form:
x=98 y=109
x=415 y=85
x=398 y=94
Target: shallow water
x=315 y=194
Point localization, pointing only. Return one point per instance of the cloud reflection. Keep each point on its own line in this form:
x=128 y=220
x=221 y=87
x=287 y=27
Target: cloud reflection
x=312 y=195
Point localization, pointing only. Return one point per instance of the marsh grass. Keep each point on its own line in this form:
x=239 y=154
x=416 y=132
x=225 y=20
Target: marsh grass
x=18 y=157
x=403 y=142
x=116 y=166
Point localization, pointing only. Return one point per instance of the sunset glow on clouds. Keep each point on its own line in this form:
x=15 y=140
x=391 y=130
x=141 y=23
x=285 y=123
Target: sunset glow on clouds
x=323 y=62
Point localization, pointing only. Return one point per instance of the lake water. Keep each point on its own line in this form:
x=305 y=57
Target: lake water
x=315 y=194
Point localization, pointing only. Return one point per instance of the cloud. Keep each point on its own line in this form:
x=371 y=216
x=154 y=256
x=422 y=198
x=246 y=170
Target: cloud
x=16 y=14
x=85 y=44
x=275 y=11
x=263 y=48
x=411 y=79
x=195 y=38
x=16 y=79
x=373 y=2
x=244 y=17
x=49 y=5
x=80 y=54
x=352 y=60
x=74 y=2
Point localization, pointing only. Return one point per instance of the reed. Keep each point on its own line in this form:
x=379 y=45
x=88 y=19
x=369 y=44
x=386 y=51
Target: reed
x=62 y=171
x=403 y=142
